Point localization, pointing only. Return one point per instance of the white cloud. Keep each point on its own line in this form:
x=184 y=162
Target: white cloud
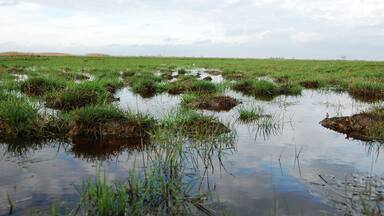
x=233 y=23
x=306 y=37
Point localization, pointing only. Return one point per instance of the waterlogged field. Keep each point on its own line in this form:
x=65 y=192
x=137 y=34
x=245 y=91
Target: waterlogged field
x=171 y=136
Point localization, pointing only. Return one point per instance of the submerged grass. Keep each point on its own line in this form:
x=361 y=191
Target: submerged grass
x=247 y=115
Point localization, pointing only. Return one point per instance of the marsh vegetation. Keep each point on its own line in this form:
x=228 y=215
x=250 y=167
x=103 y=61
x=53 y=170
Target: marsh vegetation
x=227 y=122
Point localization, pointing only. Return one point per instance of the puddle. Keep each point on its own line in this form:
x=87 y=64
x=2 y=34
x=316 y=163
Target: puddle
x=157 y=106
x=201 y=74
x=20 y=77
x=89 y=76
x=265 y=170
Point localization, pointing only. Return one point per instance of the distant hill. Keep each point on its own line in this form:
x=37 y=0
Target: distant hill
x=97 y=55
x=33 y=54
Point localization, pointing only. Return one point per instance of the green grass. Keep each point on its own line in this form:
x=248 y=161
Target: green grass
x=105 y=120
x=193 y=124
x=145 y=84
x=189 y=84
x=78 y=95
x=267 y=89
x=252 y=114
x=19 y=117
x=98 y=114
x=367 y=91
x=39 y=86
x=189 y=98
x=330 y=74
x=376 y=127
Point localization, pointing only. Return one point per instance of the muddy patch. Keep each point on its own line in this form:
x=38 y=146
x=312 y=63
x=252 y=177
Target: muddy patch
x=215 y=103
x=310 y=84
x=363 y=126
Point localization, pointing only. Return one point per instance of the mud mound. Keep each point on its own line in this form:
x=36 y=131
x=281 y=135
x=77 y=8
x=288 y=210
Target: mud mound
x=215 y=103
x=360 y=126
x=114 y=128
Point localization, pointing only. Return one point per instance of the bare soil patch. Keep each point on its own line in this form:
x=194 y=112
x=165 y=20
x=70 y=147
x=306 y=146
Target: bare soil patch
x=215 y=103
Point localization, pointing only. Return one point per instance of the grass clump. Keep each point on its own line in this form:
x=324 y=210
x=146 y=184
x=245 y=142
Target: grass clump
x=145 y=84
x=181 y=71
x=101 y=121
x=367 y=91
x=248 y=115
x=39 y=86
x=193 y=124
x=111 y=85
x=78 y=95
x=209 y=102
x=19 y=118
x=202 y=86
x=265 y=89
x=191 y=85
x=289 y=89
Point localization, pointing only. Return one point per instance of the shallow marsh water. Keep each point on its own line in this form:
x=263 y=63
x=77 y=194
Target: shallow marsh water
x=281 y=170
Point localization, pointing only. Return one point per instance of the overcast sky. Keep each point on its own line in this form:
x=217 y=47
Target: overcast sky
x=321 y=29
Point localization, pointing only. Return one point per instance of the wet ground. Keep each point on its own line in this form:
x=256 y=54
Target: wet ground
x=292 y=167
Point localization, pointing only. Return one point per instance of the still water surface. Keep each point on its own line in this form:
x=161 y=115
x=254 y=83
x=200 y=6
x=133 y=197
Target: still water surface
x=279 y=170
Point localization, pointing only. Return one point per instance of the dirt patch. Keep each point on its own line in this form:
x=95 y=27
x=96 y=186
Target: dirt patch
x=215 y=103
x=360 y=126
x=244 y=87
x=310 y=84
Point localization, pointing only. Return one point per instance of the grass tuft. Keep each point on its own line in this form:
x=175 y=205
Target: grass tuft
x=19 y=118
x=78 y=95
x=39 y=86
